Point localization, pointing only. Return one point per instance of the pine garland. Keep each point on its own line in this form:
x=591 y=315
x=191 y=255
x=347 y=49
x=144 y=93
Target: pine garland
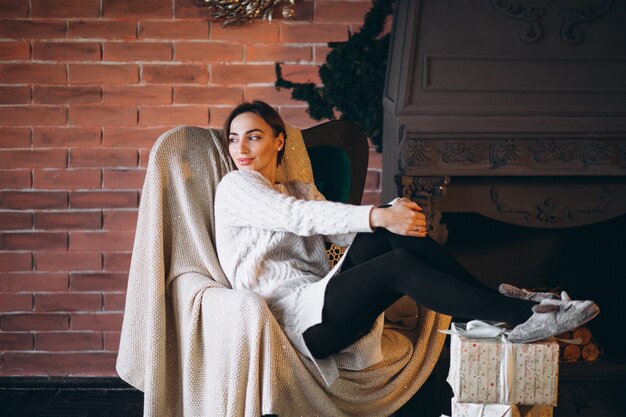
x=353 y=77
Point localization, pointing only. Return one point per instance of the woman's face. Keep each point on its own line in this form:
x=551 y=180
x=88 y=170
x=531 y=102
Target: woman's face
x=253 y=146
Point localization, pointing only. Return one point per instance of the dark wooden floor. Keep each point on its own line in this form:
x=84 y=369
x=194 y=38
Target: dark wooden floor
x=68 y=397
x=585 y=390
x=111 y=397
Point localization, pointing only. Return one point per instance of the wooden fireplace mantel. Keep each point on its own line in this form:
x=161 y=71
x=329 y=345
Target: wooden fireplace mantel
x=521 y=120
x=548 y=182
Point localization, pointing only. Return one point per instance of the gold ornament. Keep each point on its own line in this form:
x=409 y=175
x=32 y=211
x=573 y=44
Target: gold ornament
x=239 y=12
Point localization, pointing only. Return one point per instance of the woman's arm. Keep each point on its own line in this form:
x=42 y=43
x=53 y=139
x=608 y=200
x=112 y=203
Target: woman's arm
x=403 y=217
x=312 y=193
x=246 y=198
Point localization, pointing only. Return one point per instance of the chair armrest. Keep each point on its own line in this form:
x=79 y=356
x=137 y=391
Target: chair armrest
x=193 y=287
x=226 y=338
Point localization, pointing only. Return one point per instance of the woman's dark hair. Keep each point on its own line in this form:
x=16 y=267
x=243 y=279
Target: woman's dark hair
x=265 y=112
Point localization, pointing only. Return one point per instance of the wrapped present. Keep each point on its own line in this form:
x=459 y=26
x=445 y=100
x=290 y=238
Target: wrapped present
x=499 y=410
x=495 y=371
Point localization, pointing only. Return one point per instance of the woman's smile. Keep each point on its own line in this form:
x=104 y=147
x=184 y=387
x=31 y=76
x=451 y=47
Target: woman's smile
x=244 y=161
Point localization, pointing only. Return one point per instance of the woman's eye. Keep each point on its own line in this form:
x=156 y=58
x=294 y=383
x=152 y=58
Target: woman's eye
x=254 y=137
x=232 y=140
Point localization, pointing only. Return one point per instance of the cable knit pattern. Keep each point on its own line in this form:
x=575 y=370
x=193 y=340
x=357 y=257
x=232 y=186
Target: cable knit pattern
x=269 y=240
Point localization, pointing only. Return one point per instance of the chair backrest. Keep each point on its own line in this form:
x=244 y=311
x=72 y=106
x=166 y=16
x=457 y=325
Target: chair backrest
x=339 y=155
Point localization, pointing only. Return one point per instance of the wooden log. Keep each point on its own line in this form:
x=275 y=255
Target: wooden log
x=590 y=352
x=571 y=353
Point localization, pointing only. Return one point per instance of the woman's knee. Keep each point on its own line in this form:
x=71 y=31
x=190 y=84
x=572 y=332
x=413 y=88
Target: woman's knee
x=401 y=255
x=403 y=262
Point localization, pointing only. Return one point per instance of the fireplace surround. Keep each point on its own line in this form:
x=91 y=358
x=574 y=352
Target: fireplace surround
x=506 y=121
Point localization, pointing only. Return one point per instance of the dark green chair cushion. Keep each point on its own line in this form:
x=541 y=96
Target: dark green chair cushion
x=332 y=171
x=338 y=151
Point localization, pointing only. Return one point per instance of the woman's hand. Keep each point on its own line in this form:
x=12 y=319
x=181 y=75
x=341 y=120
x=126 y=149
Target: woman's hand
x=403 y=217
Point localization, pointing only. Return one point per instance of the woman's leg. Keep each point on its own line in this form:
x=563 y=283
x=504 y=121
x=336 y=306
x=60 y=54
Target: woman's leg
x=367 y=246
x=356 y=296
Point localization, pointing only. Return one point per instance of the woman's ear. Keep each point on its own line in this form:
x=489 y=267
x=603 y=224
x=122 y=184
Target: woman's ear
x=280 y=141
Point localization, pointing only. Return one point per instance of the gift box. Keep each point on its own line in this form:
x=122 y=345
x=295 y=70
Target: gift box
x=499 y=410
x=494 y=371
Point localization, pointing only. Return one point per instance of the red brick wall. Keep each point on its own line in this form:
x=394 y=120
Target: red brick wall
x=86 y=86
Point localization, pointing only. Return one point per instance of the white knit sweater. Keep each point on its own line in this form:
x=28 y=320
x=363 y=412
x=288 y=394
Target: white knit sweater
x=270 y=240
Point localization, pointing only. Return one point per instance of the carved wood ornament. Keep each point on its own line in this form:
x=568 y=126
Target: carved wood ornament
x=552 y=209
x=571 y=13
x=423 y=161
x=425 y=154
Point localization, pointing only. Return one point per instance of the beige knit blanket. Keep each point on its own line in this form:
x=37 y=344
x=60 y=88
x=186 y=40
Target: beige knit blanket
x=195 y=347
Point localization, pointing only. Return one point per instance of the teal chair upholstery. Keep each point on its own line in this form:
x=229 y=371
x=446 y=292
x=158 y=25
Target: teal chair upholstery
x=339 y=154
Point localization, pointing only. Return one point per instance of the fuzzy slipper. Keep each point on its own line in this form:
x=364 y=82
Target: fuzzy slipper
x=514 y=292
x=552 y=317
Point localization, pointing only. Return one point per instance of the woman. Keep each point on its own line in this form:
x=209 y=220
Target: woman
x=270 y=239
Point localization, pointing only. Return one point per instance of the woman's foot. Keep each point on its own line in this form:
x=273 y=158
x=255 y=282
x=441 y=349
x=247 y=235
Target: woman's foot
x=514 y=292
x=552 y=317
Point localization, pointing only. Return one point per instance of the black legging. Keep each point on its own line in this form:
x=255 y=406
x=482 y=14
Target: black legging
x=380 y=268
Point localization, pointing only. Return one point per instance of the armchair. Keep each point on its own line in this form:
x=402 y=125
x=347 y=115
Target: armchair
x=196 y=347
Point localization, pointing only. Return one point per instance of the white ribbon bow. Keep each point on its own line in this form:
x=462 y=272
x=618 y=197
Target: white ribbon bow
x=477 y=329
